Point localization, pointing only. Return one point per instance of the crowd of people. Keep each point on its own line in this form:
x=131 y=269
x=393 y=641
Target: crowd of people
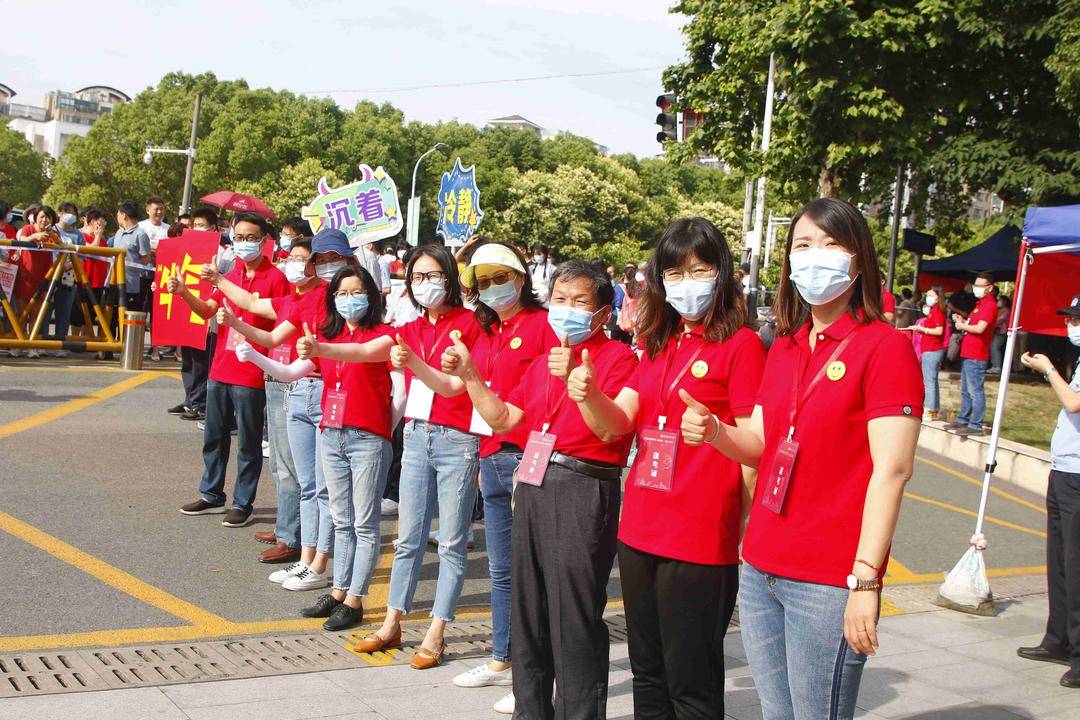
x=518 y=387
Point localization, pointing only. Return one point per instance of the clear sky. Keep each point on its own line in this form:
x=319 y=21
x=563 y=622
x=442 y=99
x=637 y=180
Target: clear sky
x=364 y=49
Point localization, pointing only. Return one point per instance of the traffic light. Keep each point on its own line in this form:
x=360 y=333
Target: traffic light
x=667 y=121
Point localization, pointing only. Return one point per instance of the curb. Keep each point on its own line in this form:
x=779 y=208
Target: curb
x=1021 y=465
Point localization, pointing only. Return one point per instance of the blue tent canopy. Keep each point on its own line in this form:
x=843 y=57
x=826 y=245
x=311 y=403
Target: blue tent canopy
x=1052 y=225
x=998 y=254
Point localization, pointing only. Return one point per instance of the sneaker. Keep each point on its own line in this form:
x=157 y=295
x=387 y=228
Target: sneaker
x=155 y=355
x=13 y=353
x=323 y=607
x=60 y=353
x=293 y=570
x=236 y=518
x=344 y=617
x=389 y=507
x=483 y=676
x=201 y=507
x=969 y=431
x=266 y=449
x=177 y=409
x=33 y=354
x=505 y=706
x=307 y=579
x=201 y=425
x=192 y=414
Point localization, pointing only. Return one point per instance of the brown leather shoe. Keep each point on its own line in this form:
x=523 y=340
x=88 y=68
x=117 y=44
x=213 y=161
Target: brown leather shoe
x=425 y=659
x=280 y=553
x=266 y=537
x=373 y=643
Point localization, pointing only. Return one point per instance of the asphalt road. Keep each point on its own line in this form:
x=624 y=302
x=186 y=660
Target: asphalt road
x=95 y=552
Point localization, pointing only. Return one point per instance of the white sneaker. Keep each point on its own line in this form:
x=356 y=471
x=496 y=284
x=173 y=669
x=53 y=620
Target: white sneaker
x=13 y=353
x=60 y=354
x=483 y=676
x=389 y=507
x=280 y=576
x=307 y=579
x=266 y=449
x=505 y=706
x=32 y=354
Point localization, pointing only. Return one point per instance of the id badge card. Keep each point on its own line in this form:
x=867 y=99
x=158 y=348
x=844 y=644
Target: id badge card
x=535 y=459
x=234 y=338
x=282 y=353
x=334 y=412
x=780 y=475
x=418 y=404
x=655 y=465
x=477 y=424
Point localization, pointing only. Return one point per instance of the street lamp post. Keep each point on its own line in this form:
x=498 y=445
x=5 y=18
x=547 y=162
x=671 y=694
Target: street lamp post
x=412 y=229
x=148 y=156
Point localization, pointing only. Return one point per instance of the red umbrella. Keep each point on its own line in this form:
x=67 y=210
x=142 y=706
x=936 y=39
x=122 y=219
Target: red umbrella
x=229 y=200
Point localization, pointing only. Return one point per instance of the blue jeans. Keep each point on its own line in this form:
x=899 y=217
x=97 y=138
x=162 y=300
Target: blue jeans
x=224 y=404
x=304 y=416
x=282 y=467
x=355 y=463
x=931 y=364
x=793 y=633
x=439 y=464
x=972 y=393
x=497 y=483
x=60 y=311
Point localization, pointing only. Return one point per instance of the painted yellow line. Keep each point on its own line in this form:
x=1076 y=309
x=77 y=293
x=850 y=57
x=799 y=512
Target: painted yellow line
x=888 y=609
x=73 y=406
x=978 y=483
x=922 y=578
x=113 y=576
x=19 y=367
x=969 y=513
x=379 y=589
x=897 y=572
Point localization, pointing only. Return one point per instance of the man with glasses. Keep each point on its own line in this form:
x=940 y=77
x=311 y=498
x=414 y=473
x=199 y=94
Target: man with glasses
x=978 y=331
x=235 y=390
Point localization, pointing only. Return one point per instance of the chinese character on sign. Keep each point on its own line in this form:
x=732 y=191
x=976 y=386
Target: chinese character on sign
x=340 y=215
x=459 y=205
x=364 y=210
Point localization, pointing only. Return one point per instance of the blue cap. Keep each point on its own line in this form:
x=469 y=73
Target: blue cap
x=331 y=240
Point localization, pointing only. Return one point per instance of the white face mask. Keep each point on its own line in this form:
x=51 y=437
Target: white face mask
x=931 y=300
x=430 y=294
x=1074 y=334
x=327 y=270
x=979 y=292
x=294 y=271
x=820 y=275
x=639 y=277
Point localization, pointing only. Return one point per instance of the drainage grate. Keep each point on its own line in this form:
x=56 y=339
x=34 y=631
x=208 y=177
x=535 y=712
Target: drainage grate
x=284 y=654
x=158 y=664
x=42 y=673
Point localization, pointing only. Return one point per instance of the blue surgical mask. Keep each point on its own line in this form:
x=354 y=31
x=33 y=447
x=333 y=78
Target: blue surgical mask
x=820 y=275
x=352 y=307
x=1074 y=334
x=500 y=297
x=285 y=241
x=327 y=270
x=572 y=323
x=294 y=272
x=247 y=250
x=690 y=298
x=68 y=220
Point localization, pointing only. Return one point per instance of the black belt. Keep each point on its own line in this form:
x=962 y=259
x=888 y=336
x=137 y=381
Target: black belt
x=600 y=471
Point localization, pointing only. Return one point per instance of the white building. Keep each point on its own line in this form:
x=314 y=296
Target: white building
x=520 y=123
x=65 y=114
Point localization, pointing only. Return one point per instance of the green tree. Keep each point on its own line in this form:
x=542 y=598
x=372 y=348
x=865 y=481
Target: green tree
x=23 y=177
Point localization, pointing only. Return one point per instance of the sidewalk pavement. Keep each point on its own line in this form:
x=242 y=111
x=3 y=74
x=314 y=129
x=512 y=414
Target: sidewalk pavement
x=938 y=665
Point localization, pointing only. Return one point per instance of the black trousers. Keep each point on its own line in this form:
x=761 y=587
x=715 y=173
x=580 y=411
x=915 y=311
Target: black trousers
x=562 y=550
x=194 y=370
x=1063 y=565
x=677 y=614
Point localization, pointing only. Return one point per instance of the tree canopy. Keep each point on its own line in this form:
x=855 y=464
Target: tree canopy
x=23 y=177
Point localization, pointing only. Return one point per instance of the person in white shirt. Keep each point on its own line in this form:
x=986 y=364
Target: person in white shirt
x=541 y=268
x=154 y=225
x=373 y=264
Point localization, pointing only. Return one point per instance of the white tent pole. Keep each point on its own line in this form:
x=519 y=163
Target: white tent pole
x=1003 y=388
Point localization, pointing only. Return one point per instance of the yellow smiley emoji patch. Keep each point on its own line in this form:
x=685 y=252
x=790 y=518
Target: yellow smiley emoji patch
x=515 y=343
x=456 y=334
x=836 y=370
x=699 y=369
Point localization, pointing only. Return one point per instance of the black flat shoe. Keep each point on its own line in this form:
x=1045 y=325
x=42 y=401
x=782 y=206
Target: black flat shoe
x=344 y=617
x=1041 y=654
x=323 y=607
x=1071 y=679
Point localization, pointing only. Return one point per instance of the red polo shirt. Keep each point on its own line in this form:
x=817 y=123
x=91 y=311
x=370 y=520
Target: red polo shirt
x=698 y=520
x=308 y=307
x=502 y=357
x=96 y=268
x=816 y=536
x=33 y=266
x=888 y=301
x=936 y=319
x=266 y=282
x=367 y=404
x=977 y=347
x=428 y=340
x=541 y=396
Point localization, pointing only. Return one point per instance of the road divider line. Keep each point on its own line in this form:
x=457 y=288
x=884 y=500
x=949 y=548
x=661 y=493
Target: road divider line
x=969 y=513
x=113 y=576
x=978 y=483
x=379 y=587
x=73 y=406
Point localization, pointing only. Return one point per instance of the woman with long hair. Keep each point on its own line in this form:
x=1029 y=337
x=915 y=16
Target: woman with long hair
x=685 y=503
x=932 y=330
x=833 y=434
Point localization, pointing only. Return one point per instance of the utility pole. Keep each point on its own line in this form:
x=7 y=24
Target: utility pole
x=759 y=205
x=190 y=169
x=412 y=227
x=898 y=199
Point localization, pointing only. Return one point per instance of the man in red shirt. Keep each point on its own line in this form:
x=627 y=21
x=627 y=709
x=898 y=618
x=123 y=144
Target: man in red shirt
x=978 y=332
x=566 y=503
x=235 y=390
x=888 y=304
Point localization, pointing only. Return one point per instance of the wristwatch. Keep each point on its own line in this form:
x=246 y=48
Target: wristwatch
x=857 y=585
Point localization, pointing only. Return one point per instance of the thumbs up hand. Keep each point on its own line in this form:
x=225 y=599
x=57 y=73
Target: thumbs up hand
x=581 y=383
x=561 y=360
x=457 y=359
x=209 y=272
x=307 y=347
x=401 y=354
x=698 y=422
x=173 y=284
x=224 y=316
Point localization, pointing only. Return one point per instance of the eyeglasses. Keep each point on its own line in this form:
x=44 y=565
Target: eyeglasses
x=246 y=238
x=498 y=278
x=349 y=293
x=677 y=276
x=434 y=276
x=297 y=259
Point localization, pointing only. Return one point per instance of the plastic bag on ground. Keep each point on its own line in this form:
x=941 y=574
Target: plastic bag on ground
x=966 y=587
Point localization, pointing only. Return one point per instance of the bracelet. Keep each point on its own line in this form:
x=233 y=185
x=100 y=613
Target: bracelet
x=875 y=568
x=715 y=434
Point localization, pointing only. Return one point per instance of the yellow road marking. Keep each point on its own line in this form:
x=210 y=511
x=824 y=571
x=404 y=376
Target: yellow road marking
x=12 y=367
x=922 y=578
x=73 y=406
x=969 y=513
x=973 y=481
x=888 y=609
x=113 y=576
x=897 y=572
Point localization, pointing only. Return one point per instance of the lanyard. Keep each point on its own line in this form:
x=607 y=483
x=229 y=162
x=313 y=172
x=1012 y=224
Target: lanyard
x=438 y=339
x=798 y=404
x=551 y=412
x=666 y=397
x=493 y=356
